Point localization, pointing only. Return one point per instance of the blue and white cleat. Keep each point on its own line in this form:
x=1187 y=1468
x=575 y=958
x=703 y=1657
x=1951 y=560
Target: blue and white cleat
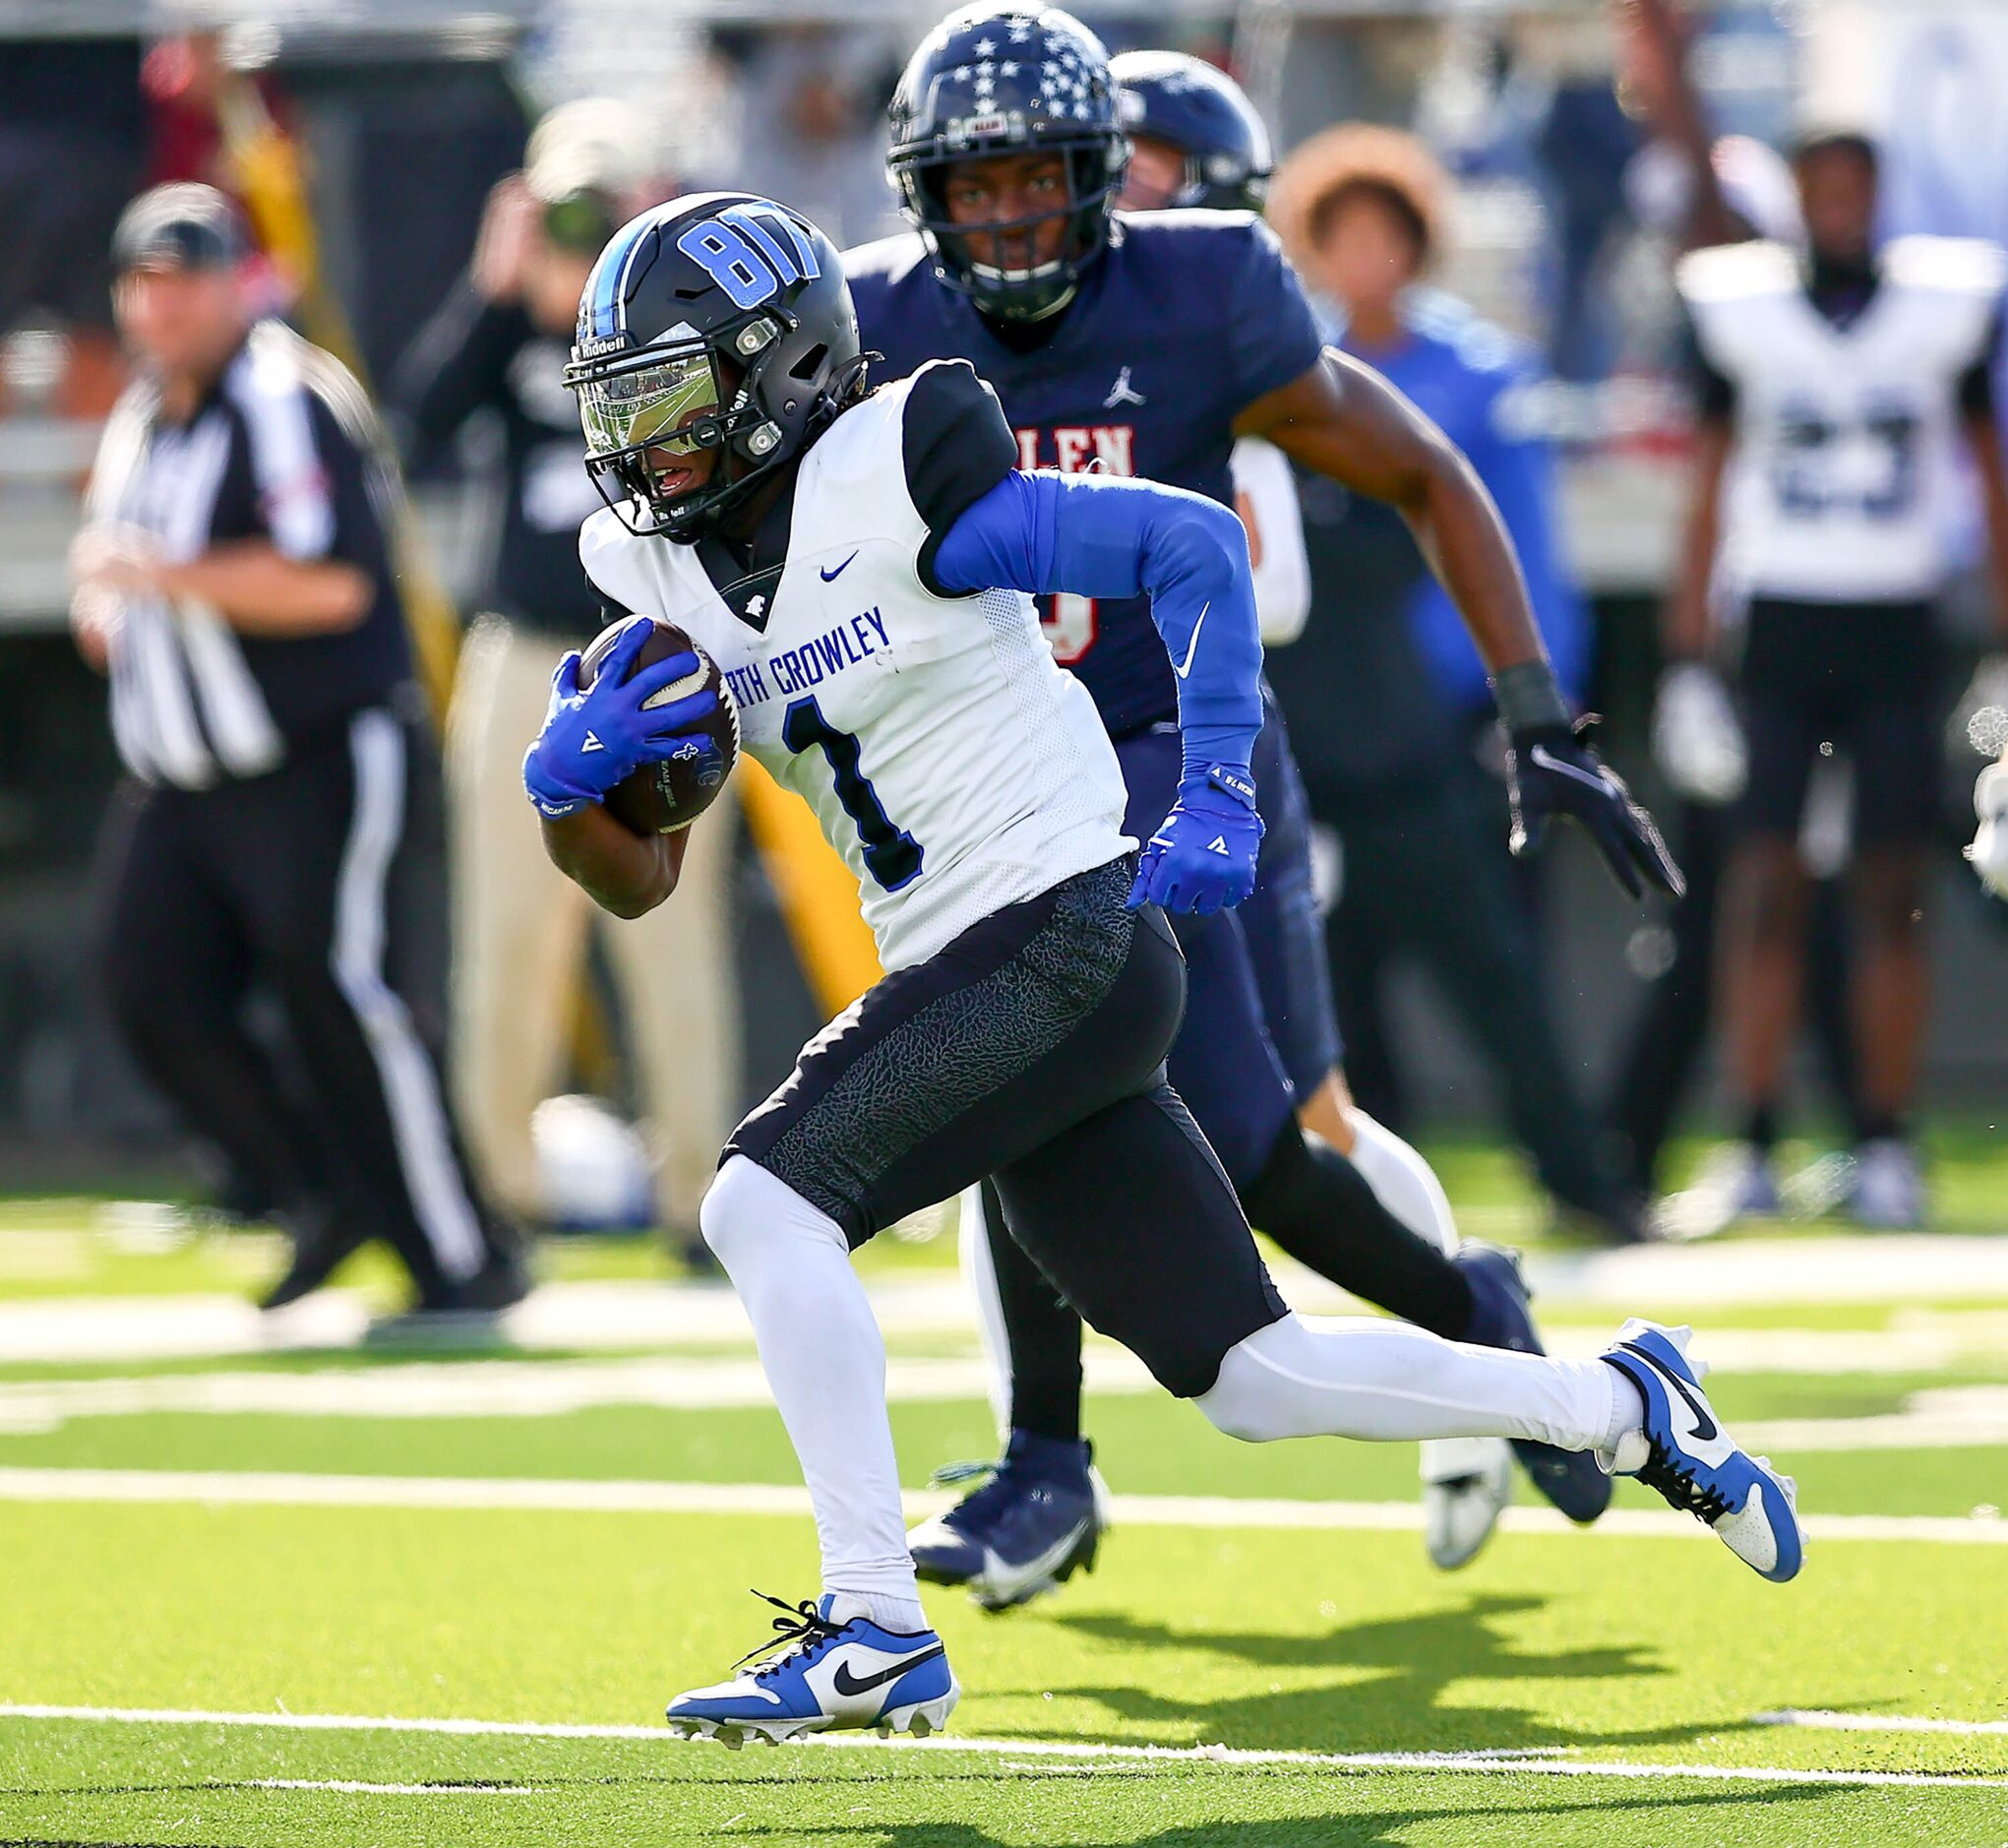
x=839 y=1671
x=1036 y=1522
x=1689 y=1458
x=1572 y=1480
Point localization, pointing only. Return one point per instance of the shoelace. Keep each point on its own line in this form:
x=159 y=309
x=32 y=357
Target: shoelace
x=803 y=1627
x=1674 y=1479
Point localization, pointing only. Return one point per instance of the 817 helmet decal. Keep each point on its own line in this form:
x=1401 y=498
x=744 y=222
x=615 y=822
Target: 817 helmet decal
x=1198 y=110
x=719 y=320
x=1009 y=80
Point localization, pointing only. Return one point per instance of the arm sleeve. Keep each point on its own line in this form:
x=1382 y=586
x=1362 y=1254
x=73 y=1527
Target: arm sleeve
x=955 y=447
x=1103 y=535
x=457 y=365
x=1272 y=335
x=1282 y=571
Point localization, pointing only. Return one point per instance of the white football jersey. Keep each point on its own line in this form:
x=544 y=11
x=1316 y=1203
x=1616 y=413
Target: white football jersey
x=1842 y=483
x=955 y=766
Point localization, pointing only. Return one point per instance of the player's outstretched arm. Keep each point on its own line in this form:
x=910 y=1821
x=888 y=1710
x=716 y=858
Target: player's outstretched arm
x=1345 y=420
x=1098 y=535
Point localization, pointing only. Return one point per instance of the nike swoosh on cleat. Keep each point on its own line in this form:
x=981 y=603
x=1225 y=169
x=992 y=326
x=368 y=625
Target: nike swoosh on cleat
x=1185 y=668
x=1545 y=759
x=830 y=576
x=845 y=1683
x=1704 y=1426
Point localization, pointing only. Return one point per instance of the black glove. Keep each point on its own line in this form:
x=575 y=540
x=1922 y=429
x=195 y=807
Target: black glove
x=1551 y=769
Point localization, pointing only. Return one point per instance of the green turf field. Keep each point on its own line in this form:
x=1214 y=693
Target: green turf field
x=273 y=1588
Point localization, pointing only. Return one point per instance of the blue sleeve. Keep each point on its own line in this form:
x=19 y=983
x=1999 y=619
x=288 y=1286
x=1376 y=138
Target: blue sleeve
x=1105 y=536
x=1272 y=334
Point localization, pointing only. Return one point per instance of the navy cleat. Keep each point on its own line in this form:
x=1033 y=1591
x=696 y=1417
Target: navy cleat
x=838 y=1671
x=1690 y=1460
x=1036 y=1522
x=1572 y=1480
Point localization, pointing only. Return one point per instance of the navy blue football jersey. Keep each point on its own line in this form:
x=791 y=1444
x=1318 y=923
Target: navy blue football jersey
x=1185 y=321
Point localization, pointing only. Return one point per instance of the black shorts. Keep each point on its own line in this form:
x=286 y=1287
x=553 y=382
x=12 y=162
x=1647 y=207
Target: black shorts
x=1859 y=680
x=1032 y=1050
x=1032 y=1020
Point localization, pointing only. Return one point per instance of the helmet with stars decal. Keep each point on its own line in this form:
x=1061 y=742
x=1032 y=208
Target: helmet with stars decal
x=1009 y=80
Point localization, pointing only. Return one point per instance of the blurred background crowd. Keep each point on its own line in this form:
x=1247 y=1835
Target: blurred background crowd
x=427 y=186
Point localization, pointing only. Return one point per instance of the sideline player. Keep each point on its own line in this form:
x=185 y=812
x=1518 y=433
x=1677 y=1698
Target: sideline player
x=1837 y=385
x=1146 y=344
x=837 y=552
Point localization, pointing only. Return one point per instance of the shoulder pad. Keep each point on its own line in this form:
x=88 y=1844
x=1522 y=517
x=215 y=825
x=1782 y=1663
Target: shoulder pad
x=1959 y=265
x=1736 y=272
x=885 y=259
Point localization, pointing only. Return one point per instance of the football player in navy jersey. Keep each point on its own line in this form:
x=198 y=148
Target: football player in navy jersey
x=1146 y=344
x=857 y=564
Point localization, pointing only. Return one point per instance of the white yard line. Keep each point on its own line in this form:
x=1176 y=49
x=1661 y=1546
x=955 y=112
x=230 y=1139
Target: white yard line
x=1819 y=1720
x=515 y=1387
x=1479 y=1762
x=348 y=1786
x=301 y=1490
x=1863 y=1268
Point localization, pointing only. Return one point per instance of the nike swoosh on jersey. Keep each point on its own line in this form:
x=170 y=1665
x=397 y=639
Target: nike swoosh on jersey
x=1545 y=759
x=830 y=576
x=1704 y=1426
x=1181 y=669
x=845 y=1683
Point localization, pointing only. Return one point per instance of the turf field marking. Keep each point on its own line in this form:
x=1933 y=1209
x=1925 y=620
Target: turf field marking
x=618 y=1497
x=1479 y=1762
x=1820 y=1720
x=349 y=1787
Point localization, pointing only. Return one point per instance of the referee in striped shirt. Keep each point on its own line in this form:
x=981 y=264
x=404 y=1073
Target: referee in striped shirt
x=284 y=823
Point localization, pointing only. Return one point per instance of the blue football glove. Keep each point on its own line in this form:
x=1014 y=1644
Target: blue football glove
x=593 y=739
x=1551 y=769
x=1202 y=857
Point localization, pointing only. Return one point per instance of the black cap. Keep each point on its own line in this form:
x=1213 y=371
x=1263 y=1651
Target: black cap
x=182 y=225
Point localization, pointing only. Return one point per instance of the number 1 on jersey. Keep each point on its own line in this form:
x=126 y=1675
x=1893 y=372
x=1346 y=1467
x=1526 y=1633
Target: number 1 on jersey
x=891 y=856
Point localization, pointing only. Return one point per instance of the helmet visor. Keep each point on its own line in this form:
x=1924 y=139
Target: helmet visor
x=651 y=407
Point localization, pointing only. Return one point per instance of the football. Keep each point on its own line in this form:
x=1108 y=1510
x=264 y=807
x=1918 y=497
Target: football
x=660 y=798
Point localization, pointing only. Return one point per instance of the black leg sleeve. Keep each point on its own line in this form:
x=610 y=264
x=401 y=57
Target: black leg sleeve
x=1043 y=1334
x=1314 y=1203
x=1132 y=1214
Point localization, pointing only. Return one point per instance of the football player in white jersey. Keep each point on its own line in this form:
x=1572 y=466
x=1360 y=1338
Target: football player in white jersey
x=1837 y=385
x=858 y=563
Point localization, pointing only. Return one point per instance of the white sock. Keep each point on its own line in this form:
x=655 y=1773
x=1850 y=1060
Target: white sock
x=1309 y=1375
x=902 y=1616
x=826 y=1364
x=979 y=1272
x=1402 y=1181
x=1626 y=1422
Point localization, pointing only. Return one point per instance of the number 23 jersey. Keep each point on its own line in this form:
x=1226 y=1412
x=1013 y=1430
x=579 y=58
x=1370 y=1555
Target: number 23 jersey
x=950 y=761
x=1843 y=467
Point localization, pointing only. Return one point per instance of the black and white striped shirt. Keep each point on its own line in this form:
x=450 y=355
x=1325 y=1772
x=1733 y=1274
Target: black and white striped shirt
x=283 y=447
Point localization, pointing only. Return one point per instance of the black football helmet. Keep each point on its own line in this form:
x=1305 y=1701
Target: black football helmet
x=718 y=321
x=1009 y=80
x=1206 y=115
